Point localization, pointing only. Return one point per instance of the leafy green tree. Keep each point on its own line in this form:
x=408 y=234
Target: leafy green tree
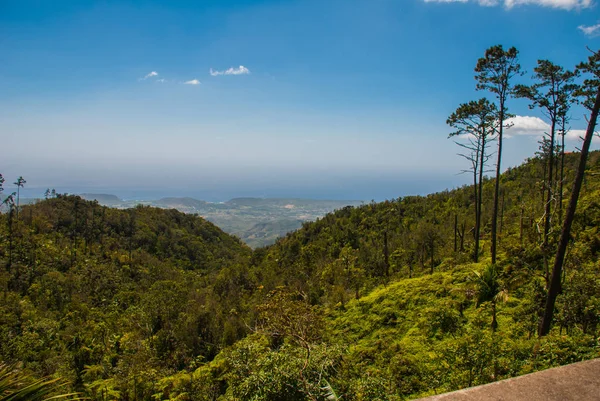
x=9 y=203
x=590 y=90
x=429 y=239
x=288 y=317
x=489 y=289
x=564 y=119
x=551 y=93
x=494 y=73
x=344 y=273
x=477 y=121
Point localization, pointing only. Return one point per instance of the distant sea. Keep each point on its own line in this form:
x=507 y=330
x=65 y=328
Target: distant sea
x=365 y=189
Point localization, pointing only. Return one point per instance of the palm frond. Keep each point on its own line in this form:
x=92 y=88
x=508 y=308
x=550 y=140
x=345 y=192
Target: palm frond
x=17 y=386
x=329 y=393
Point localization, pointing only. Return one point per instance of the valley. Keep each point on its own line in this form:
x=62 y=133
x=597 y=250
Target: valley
x=256 y=221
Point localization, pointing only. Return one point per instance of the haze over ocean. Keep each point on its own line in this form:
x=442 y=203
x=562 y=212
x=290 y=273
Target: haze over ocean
x=217 y=99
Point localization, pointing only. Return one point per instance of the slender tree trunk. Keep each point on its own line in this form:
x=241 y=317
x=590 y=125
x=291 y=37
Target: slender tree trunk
x=479 y=199
x=476 y=190
x=462 y=237
x=18 y=198
x=562 y=173
x=497 y=184
x=548 y=204
x=565 y=234
x=544 y=186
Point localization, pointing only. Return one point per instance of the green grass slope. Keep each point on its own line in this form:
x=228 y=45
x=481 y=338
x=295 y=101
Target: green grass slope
x=427 y=335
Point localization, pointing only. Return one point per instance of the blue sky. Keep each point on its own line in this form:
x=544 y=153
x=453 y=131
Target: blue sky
x=343 y=99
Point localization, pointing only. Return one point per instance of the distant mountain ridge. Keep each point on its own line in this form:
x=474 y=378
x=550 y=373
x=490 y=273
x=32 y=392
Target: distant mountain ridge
x=256 y=221
x=102 y=198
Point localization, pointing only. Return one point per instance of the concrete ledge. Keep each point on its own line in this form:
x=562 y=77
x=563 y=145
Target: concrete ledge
x=579 y=381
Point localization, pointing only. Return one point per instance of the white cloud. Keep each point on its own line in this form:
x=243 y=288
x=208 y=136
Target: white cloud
x=575 y=134
x=192 y=82
x=162 y=80
x=149 y=75
x=564 y=4
x=535 y=126
x=241 y=70
x=592 y=30
x=526 y=125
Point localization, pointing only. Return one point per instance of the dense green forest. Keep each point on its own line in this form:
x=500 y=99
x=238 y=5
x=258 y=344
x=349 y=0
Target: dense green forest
x=380 y=301
x=385 y=301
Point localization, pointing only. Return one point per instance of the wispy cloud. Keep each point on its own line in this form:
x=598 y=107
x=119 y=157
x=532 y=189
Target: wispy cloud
x=162 y=80
x=192 y=82
x=149 y=75
x=241 y=70
x=563 y=4
x=578 y=134
x=592 y=30
x=535 y=126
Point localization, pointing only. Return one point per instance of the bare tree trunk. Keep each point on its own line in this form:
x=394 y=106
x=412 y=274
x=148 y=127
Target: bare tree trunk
x=562 y=173
x=548 y=204
x=565 y=234
x=497 y=185
x=462 y=237
x=475 y=189
x=479 y=200
x=18 y=199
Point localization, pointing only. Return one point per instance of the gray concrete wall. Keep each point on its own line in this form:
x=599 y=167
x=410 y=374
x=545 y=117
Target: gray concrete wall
x=579 y=381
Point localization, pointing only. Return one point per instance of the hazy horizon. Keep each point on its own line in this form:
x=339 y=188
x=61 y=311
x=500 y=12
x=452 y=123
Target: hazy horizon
x=218 y=99
x=363 y=186
x=362 y=189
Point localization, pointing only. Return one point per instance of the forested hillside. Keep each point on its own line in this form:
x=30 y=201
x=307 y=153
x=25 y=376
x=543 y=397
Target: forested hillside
x=152 y=295
x=90 y=292
x=381 y=301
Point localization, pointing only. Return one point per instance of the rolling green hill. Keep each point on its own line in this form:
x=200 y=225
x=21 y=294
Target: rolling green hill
x=380 y=301
x=256 y=221
x=129 y=290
